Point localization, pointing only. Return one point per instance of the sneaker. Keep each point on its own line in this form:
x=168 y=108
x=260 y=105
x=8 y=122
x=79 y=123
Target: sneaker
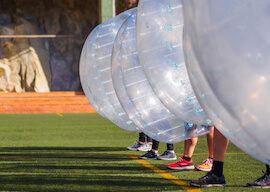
x=134 y=147
x=149 y=155
x=167 y=155
x=263 y=182
x=209 y=180
x=206 y=165
x=144 y=147
x=182 y=164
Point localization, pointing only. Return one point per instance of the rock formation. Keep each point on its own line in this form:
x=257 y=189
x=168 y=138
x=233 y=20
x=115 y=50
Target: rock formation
x=44 y=64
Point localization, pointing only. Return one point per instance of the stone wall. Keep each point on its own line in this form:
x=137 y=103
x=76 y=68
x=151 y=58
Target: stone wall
x=58 y=57
x=129 y=4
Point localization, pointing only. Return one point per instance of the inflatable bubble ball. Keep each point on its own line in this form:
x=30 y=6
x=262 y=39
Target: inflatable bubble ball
x=95 y=72
x=138 y=98
x=160 y=47
x=231 y=46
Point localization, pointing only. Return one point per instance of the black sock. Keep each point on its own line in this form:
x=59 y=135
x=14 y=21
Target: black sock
x=268 y=169
x=217 y=168
x=186 y=158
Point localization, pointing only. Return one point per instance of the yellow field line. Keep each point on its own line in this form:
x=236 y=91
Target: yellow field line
x=166 y=175
x=59 y=114
x=239 y=153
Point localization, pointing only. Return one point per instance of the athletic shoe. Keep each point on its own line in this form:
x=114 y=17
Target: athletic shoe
x=167 y=155
x=144 y=147
x=206 y=165
x=182 y=164
x=149 y=155
x=209 y=180
x=134 y=147
x=263 y=182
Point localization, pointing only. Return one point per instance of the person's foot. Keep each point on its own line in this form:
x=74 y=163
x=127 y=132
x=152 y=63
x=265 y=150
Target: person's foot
x=144 y=147
x=167 y=155
x=209 y=180
x=149 y=155
x=182 y=164
x=206 y=165
x=263 y=182
x=134 y=147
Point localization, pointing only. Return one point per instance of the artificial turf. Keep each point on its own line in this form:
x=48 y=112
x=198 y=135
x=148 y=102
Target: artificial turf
x=85 y=152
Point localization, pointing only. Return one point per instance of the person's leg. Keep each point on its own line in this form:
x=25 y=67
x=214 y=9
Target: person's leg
x=170 y=147
x=149 y=142
x=207 y=164
x=155 y=146
x=142 y=138
x=169 y=154
x=185 y=162
x=149 y=139
x=153 y=153
x=215 y=178
x=262 y=182
x=219 y=146
x=210 y=141
x=189 y=147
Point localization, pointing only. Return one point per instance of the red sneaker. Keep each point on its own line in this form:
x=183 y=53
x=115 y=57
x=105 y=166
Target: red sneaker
x=182 y=164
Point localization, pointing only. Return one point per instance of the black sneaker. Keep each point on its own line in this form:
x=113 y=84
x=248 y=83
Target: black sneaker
x=209 y=180
x=263 y=182
x=149 y=155
x=167 y=155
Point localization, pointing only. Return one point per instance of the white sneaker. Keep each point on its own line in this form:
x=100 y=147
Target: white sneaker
x=144 y=147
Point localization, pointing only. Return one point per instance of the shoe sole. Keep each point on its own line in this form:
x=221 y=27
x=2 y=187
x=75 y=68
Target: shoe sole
x=260 y=187
x=143 y=149
x=182 y=168
x=166 y=158
x=208 y=185
x=132 y=149
x=146 y=158
x=207 y=170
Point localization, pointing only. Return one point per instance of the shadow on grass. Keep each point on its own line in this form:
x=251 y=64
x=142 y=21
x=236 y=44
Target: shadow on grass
x=73 y=149
x=82 y=183
x=75 y=169
x=79 y=169
x=91 y=154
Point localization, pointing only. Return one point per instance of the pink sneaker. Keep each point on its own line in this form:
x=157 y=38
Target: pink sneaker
x=206 y=165
x=182 y=164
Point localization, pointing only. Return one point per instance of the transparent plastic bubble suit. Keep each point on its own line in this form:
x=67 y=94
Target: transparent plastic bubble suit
x=137 y=97
x=84 y=66
x=159 y=41
x=228 y=126
x=95 y=71
x=232 y=49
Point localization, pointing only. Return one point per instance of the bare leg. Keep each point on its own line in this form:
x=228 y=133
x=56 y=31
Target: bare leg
x=215 y=177
x=210 y=141
x=189 y=146
x=220 y=146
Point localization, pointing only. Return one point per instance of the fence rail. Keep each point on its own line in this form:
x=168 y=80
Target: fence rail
x=35 y=36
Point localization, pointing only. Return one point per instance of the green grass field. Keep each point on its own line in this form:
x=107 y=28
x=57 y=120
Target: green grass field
x=85 y=152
